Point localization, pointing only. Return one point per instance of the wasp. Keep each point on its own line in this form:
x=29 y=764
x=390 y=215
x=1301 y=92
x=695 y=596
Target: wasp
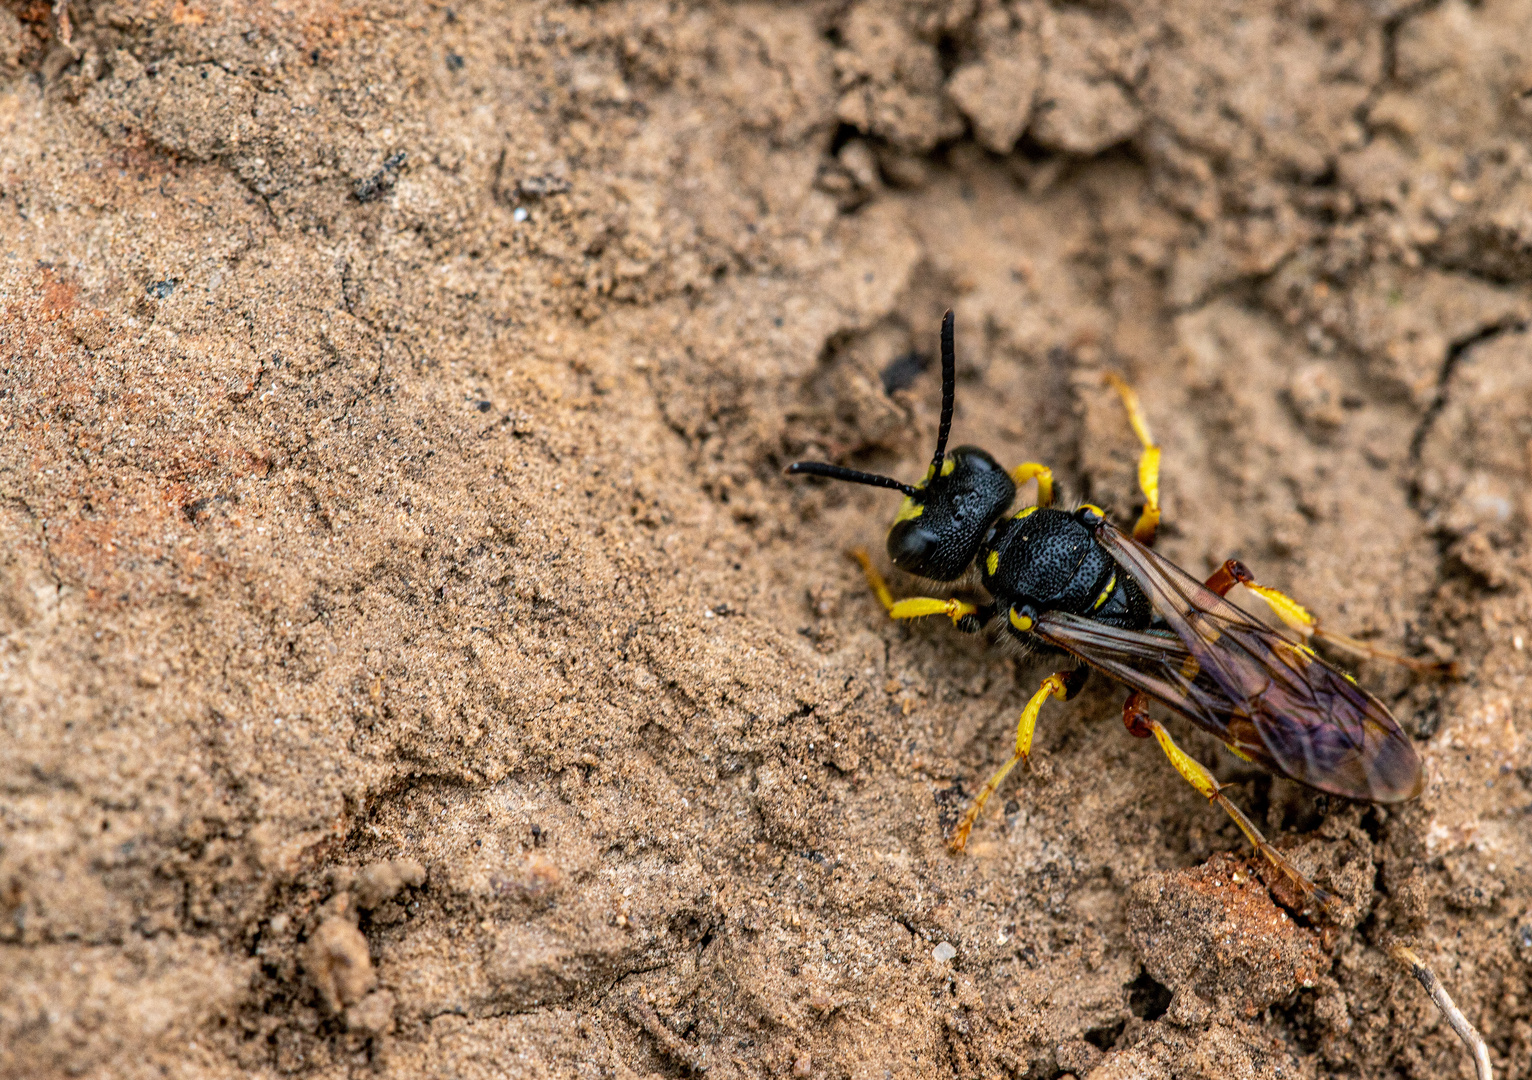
x=1072 y=582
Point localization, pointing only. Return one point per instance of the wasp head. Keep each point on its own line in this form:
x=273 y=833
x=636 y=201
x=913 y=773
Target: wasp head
x=944 y=517
x=943 y=521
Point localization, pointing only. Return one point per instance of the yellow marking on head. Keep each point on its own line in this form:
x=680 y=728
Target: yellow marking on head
x=1025 y=512
x=1106 y=592
x=1020 y=622
x=992 y=563
x=909 y=510
x=948 y=464
x=1094 y=508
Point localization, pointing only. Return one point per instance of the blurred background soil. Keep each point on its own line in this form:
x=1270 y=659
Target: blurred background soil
x=414 y=663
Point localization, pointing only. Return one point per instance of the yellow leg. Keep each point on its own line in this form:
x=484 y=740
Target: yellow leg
x=1031 y=470
x=1148 y=462
x=874 y=579
x=914 y=607
x=1062 y=685
x=917 y=606
x=1305 y=622
x=1203 y=781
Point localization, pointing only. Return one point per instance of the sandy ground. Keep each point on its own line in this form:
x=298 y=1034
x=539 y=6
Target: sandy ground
x=413 y=662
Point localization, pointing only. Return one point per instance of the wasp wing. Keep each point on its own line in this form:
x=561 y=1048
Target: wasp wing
x=1265 y=694
x=1158 y=663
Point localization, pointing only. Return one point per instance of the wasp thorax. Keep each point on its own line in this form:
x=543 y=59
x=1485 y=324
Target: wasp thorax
x=940 y=526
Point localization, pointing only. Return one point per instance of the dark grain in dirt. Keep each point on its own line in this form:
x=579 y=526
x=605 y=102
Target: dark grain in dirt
x=412 y=659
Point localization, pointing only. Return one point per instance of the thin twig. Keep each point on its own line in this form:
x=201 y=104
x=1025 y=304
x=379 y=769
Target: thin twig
x=1466 y=1031
x=66 y=32
x=670 y=1045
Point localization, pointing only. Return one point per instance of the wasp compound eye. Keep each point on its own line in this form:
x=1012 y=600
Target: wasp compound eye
x=943 y=522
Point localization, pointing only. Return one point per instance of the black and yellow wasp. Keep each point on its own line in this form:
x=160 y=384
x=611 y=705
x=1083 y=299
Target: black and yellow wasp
x=1070 y=580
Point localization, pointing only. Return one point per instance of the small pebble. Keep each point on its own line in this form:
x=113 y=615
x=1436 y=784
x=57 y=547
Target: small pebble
x=944 y=952
x=519 y=214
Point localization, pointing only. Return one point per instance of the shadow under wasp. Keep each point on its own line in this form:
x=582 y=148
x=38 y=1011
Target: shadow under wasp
x=1073 y=582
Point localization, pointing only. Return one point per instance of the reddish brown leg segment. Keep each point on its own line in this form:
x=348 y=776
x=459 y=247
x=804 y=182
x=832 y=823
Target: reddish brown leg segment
x=1231 y=573
x=1135 y=715
x=1295 y=615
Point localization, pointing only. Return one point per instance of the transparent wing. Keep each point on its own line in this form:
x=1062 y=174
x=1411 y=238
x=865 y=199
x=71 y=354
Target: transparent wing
x=1266 y=695
x=1161 y=666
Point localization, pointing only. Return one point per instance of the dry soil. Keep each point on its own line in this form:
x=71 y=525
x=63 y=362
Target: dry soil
x=413 y=662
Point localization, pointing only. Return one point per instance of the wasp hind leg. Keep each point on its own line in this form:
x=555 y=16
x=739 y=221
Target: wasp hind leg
x=1062 y=685
x=965 y=616
x=1148 y=462
x=1233 y=572
x=1135 y=717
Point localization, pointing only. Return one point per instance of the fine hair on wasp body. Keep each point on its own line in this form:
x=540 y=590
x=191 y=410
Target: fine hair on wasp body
x=1072 y=582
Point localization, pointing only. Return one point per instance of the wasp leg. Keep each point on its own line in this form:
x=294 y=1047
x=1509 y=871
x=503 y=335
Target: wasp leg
x=874 y=579
x=1062 y=685
x=1233 y=572
x=965 y=616
x=1031 y=470
x=1136 y=719
x=1148 y=461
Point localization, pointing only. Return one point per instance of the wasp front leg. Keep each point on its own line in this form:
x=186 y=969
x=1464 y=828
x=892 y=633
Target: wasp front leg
x=965 y=616
x=1062 y=685
x=1295 y=615
x=1032 y=470
x=1136 y=718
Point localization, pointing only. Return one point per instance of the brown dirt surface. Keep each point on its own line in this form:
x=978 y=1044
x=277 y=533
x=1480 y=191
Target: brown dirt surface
x=414 y=663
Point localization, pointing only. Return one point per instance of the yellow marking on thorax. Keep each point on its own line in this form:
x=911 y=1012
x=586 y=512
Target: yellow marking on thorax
x=1106 y=592
x=992 y=563
x=1025 y=512
x=1020 y=622
x=1093 y=507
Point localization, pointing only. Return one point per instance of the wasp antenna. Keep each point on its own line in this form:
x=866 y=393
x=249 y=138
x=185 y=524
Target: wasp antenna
x=835 y=472
x=949 y=389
